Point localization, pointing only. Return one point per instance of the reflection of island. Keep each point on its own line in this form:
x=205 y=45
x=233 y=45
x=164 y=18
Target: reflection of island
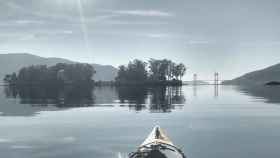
x=135 y=96
x=62 y=97
x=28 y=101
x=269 y=93
x=273 y=83
x=156 y=99
x=166 y=98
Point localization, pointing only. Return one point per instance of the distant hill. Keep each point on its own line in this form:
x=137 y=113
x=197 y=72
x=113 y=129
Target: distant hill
x=260 y=77
x=13 y=62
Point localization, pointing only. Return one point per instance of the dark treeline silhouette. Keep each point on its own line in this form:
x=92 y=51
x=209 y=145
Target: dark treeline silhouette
x=153 y=72
x=58 y=74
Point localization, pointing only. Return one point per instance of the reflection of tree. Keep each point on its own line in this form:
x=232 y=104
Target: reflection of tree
x=63 y=96
x=135 y=96
x=164 y=99
x=11 y=91
x=156 y=98
x=159 y=98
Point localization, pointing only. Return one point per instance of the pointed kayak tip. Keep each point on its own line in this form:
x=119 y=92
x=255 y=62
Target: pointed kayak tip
x=157 y=144
x=157 y=136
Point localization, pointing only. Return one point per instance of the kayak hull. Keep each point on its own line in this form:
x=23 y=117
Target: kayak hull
x=157 y=145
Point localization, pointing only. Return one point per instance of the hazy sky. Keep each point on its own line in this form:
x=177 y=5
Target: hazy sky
x=228 y=36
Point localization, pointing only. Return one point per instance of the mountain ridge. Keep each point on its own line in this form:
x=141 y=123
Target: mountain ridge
x=258 y=77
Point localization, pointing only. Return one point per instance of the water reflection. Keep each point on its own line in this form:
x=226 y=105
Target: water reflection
x=156 y=99
x=216 y=90
x=153 y=99
x=269 y=93
x=134 y=96
x=195 y=89
x=66 y=96
x=164 y=99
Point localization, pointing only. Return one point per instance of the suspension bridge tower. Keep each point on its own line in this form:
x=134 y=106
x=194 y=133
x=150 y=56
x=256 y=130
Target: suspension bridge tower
x=194 y=79
x=216 y=78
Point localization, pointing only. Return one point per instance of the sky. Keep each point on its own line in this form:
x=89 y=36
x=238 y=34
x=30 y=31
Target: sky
x=231 y=37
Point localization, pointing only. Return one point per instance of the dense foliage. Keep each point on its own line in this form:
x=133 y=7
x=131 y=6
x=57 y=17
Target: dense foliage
x=58 y=74
x=153 y=71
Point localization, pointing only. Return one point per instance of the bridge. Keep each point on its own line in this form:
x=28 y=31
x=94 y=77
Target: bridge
x=196 y=81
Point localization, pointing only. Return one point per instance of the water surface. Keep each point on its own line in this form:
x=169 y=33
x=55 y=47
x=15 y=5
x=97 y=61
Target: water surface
x=108 y=122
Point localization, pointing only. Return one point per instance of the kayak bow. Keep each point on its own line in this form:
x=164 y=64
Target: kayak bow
x=157 y=145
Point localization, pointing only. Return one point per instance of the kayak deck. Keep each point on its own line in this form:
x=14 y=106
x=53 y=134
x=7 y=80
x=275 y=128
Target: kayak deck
x=157 y=136
x=157 y=145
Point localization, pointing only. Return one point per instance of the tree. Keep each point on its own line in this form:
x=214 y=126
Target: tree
x=137 y=70
x=134 y=72
x=154 y=68
x=182 y=70
x=176 y=71
x=158 y=70
x=11 y=79
x=163 y=69
x=171 y=66
x=57 y=74
x=122 y=74
x=7 y=78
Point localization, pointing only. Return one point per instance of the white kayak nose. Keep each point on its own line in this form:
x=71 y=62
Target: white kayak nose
x=157 y=145
x=157 y=136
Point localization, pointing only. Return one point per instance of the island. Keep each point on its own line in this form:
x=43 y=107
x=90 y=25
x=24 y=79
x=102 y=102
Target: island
x=152 y=72
x=273 y=83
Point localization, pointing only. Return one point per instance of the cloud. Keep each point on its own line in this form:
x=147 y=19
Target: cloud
x=150 y=13
x=13 y=5
x=27 y=37
x=3 y=140
x=135 y=34
x=130 y=22
x=198 y=42
x=157 y=35
x=21 y=147
x=25 y=22
x=69 y=139
x=260 y=43
x=47 y=34
x=35 y=35
x=16 y=23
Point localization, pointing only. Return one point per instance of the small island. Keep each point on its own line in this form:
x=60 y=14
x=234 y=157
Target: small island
x=153 y=72
x=273 y=83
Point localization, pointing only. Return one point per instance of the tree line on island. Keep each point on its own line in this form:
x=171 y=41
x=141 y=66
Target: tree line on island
x=164 y=72
x=152 y=72
x=58 y=74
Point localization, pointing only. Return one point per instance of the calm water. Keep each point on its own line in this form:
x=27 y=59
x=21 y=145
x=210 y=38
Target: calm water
x=206 y=122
